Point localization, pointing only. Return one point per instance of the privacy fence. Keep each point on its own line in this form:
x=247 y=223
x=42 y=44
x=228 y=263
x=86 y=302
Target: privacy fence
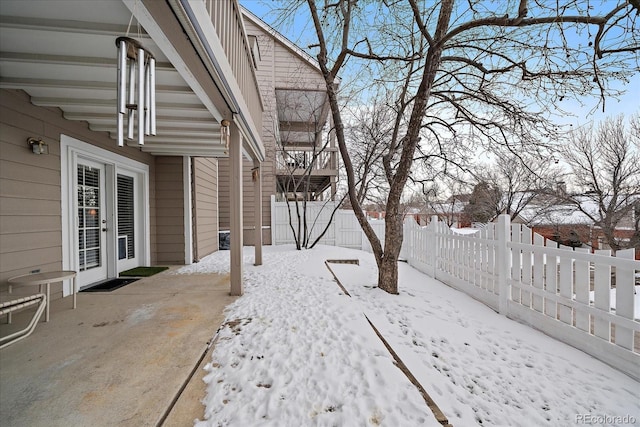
x=584 y=299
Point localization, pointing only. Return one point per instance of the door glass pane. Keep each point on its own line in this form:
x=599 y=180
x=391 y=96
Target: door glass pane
x=126 y=216
x=89 y=217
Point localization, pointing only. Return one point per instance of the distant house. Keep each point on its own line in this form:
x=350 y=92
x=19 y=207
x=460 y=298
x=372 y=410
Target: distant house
x=567 y=225
x=451 y=211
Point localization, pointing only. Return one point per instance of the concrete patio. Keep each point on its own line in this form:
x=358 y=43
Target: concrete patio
x=121 y=358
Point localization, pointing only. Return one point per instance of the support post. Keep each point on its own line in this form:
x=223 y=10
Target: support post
x=256 y=174
x=235 y=160
x=503 y=264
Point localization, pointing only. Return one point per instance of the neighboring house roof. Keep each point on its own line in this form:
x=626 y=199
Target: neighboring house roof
x=535 y=214
x=448 y=207
x=560 y=214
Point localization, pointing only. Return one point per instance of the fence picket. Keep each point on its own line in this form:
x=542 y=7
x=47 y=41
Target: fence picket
x=582 y=288
x=538 y=272
x=602 y=295
x=551 y=280
x=526 y=266
x=516 y=260
x=565 y=313
x=625 y=290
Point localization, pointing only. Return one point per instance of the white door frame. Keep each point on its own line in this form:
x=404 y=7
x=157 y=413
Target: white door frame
x=70 y=150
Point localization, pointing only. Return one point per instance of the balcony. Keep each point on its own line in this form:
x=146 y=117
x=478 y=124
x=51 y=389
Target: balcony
x=240 y=51
x=294 y=165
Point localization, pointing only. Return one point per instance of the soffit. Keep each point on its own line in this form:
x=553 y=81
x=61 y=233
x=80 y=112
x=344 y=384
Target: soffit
x=63 y=54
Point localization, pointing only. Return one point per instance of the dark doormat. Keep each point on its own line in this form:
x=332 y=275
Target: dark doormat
x=142 y=271
x=109 y=285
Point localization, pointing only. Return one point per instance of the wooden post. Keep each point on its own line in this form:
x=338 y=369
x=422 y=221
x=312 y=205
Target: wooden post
x=235 y=160
x=256 y=175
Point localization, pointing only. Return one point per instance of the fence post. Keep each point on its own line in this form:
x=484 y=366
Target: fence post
x=433 y=244
x=503 y=262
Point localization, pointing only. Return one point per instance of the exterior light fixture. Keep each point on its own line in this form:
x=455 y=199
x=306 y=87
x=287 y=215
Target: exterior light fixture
x=38 y=146
x=136 y=72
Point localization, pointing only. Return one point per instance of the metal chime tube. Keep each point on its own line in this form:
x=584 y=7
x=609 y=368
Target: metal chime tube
x=122 y=82
x=132 y=97
x=152 y=94
x=141 y=106
x=147 y=99
x=136 y=70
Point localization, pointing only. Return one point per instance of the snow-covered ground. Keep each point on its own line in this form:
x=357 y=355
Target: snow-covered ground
x=298 y=352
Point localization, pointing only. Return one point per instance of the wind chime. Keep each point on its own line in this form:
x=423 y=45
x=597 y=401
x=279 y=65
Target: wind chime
x=136 y=70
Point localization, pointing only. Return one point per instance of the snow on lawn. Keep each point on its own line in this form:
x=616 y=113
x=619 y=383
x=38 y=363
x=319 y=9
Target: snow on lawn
x=302 y=354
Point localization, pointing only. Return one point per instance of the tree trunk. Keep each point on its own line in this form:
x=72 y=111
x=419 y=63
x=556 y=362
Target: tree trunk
x=388 y=267
x=388 y=274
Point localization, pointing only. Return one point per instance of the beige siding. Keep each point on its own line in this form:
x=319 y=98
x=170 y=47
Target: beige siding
x=30 y=192
x=205 y=203
x=170 y=210
x=287 y=68
x=279 y=68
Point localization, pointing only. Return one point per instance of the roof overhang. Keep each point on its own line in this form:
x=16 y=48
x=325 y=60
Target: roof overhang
x=63 y=54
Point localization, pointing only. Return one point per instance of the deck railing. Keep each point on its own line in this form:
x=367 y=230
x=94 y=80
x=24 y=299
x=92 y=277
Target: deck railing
x=226 y=17
x=305 y=159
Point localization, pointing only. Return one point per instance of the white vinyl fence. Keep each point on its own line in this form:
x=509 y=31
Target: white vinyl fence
x=343 y=231
x=585 y=300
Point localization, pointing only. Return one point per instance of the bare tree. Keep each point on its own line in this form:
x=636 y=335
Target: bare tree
x=466 y=72
x=367 y=138
x=605 y=162
x=518 y=182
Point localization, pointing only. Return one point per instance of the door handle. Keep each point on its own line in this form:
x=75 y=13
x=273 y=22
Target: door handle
x=104 y=229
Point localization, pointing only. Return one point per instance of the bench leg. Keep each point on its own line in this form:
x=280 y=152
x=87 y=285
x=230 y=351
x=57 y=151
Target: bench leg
x=9 y=316
x=46 y=318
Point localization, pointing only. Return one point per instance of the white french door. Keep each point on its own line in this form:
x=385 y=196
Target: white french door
x=105 y=212
x=91 y=221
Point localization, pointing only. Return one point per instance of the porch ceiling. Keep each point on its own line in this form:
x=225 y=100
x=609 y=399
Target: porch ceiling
x=63 y=54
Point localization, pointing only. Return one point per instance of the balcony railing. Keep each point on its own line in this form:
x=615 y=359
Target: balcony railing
x=299 y=160
x=227 y=21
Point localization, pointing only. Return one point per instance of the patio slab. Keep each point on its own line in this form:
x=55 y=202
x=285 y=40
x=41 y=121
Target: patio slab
x=119 y=359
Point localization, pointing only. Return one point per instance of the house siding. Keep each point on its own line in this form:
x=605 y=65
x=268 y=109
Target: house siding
x=170 y=243
x=279 y=68
x=30 y=185
x=205 y=202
